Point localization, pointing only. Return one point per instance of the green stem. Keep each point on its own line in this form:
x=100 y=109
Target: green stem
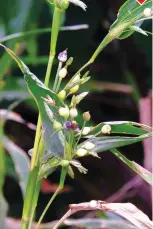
x=27 y=210
x=60 y=187
x=114 y=33
x=2 y=159
x=57 y=76
x=31 y=195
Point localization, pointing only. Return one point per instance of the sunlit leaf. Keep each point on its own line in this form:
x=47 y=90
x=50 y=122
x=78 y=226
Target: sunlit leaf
x=53 y=140
x=145 y=174
x=122 y=127
x=21 y=161
x=130 y=12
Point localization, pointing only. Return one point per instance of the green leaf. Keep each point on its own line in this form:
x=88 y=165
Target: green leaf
x=130 y=11
x=21 y=161
x=107 y=143
x=121 y=127
x=145 y=174
x=54 y=141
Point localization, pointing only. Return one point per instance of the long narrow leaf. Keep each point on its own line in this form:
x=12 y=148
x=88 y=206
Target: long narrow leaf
x=21 y=161
x=53 y=140
x=145 y=174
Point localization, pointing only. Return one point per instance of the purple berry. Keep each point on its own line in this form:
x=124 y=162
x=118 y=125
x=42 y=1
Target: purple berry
x=67 y=125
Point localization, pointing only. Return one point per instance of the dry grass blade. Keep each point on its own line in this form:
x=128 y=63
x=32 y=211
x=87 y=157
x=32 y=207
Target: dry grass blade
x=126 y=210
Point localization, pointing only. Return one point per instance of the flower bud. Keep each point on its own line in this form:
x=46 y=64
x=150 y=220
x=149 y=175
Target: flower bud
x=86 y=116
x=57 y=126
x=106 y=129
x=81 y=152
x=64 y=112
x=65 y=163
x=74 y=126
x=63 y=73
x=67 y=125
x=62 y=94
x=73 y=112
x=89 y=146
x=147 y=12
x=69 y=61
x=74 y=89
x=62 y=57
x=86 y=130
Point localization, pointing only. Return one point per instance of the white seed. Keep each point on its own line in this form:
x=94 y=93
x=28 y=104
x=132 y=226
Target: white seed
x=64 y=112
x=106 y=129
x=147 y=12
x=86 y=130
x=81 y=152
x=73 y=112
x=93 y=203
x=89 y=146
x=63 y=73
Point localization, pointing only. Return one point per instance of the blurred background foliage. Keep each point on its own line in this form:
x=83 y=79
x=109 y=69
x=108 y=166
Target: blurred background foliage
x=121 y=77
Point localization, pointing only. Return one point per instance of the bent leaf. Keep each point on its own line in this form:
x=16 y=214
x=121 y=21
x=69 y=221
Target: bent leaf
x=21 y=162
x=130 y=11
x=145 y=174
x=107 y=143
x=53 y=140
x=123 y=127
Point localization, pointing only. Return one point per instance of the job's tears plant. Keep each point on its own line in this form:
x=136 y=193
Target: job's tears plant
x=59 y=140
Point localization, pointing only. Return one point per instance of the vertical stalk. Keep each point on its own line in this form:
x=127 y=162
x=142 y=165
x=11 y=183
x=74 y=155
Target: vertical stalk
x=32 y=194
x=60 y=187
x=2 y=159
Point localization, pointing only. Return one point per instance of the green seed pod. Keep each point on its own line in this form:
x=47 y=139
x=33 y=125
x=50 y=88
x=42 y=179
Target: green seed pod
x=69 y=61
x=62 y=94
x=57 y=125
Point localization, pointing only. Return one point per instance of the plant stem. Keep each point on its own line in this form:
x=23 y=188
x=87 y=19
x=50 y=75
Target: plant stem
x=60 y=187
x=114 y=33
x=31 y=196
x=57 y=76
x=2 y=159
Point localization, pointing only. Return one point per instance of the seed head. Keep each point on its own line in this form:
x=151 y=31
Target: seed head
x=73 y=112
x=64 y=112
x=68 y=125
x=106 y=129
x=62 y=57
x=86 y=130
x=89 y=146
x=57 y=126
x=93 y=203
x=81 y=152
x=86 y=116
x=74 y=89
x=62 y=94
x=62 y=73
x=147 y=12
